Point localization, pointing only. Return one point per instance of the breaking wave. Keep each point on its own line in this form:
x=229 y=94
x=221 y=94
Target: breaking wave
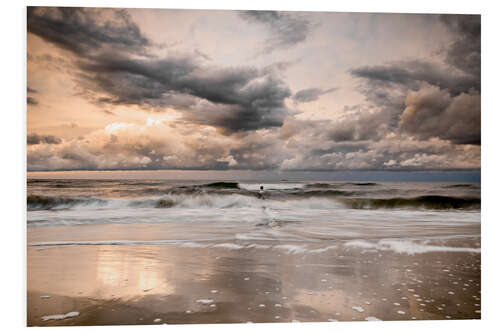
x=426 y=202
x=327 y=199
x=39 y=202
x=223 y=185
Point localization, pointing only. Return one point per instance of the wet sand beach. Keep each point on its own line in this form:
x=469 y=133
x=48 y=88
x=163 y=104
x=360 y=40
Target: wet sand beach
x=242 y=282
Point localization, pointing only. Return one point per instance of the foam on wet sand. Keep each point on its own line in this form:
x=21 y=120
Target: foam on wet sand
x=288 y=280
x=61 y=316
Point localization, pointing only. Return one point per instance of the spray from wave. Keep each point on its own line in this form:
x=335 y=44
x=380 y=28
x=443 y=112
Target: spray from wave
x=305 y=199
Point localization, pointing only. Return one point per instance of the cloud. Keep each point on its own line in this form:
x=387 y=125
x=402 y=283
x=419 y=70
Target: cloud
x=309 y=95
x=286 y=29
x=160 y=144
x=86 y=30
x=163 y=144
x=415 y=72
x=429 y=99
x=395 y=152
x=35 y=139
x=117 y=70
x=416 y=114
x=233 y=99
x=465 y=51
x=431 y=112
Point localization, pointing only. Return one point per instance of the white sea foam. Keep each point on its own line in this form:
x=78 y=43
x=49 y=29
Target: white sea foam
x=205 y=301
x=324 y=249
x=203 y=243
x=407 y=246
x=358 y=308
x=193 y=245
x=258 y=246
x=231 y=246
x=291 y=248
x=61 y=316
x=360 y=244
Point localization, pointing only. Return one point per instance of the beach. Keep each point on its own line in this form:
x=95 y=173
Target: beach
x=337 y=265
x=138 y=284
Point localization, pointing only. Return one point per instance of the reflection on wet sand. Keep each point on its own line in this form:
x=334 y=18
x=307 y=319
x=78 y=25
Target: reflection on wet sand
x=113 y=284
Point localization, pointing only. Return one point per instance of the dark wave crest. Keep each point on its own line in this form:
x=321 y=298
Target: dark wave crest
x=223 y=185
x=320 y=185
x=427 y=202
x=40 y=202
x=323 y=193
x=461 y=186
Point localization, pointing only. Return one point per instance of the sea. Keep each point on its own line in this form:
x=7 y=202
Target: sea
x=292 y=215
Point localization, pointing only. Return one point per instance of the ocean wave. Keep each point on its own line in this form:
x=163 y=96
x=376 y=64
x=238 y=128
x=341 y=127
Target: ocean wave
x=222 y=185
x=201 y=200
x=462 y=186
x=325 y=193
x=273 y=187
x=40 y=202
x=327 y=199
x=425 y=202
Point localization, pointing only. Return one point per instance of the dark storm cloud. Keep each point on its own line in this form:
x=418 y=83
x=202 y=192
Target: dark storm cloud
x=287 y=29
x=399 y=93
x=431 y=112
x=35 y=139
x=412 y=73
x=465 y=51
x=85 y=30
x=234 y=99
x=309 y=95
x=359 y=126
x=430 y=100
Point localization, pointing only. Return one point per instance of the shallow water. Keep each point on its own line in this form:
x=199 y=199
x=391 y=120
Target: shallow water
x=232 y=211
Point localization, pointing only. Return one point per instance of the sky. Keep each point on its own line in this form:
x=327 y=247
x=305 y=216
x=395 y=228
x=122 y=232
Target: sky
x=158 y=89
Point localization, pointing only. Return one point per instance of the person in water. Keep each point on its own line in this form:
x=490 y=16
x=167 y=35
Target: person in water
x=268 y=221
x=260 y=195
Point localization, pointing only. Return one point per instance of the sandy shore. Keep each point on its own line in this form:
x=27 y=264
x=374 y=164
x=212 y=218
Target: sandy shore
x=156 y=284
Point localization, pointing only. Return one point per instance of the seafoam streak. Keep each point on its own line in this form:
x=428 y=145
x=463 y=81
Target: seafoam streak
x=407 y=246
